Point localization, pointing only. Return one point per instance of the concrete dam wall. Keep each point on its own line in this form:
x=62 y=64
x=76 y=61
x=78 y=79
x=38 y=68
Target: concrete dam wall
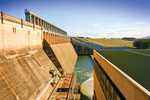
x=81 y=47
x=24 y=66
x=67 y=60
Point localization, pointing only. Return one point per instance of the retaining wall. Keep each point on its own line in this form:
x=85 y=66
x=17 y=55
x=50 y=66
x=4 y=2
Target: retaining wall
x=81 y=48
x=130 y=89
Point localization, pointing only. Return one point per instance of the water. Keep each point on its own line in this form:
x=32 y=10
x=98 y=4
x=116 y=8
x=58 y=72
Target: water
x=84 y=70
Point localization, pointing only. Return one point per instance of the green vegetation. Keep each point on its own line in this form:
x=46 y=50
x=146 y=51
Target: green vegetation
x=135 y=65
x=129 y=38
x=109 y=42
x=142 y=43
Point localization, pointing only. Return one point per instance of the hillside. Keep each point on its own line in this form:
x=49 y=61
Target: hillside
x=109 y=42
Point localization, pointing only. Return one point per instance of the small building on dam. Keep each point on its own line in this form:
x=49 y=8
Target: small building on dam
x=37 y=61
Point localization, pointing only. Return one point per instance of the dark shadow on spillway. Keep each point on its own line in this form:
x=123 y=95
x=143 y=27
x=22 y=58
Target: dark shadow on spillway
x=83 y=97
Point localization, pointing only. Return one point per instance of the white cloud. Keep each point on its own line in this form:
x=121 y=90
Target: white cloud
x=114 y=33
x=140 y=22
x=116 y=25
x=96 y=24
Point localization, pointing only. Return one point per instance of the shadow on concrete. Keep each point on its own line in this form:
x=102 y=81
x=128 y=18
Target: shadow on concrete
x=83 y=97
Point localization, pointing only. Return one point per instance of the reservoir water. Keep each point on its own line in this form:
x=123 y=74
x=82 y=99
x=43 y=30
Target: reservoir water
x=84 y=70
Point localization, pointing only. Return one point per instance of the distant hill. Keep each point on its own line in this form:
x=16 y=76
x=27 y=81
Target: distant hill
x=109 y=42
x=146 y=37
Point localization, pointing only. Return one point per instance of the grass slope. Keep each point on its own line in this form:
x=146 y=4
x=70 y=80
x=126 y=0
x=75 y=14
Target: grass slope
x=109 y=42
x=135 y=65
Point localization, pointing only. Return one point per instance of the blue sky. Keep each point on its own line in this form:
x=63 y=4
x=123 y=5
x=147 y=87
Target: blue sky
x=89 y=18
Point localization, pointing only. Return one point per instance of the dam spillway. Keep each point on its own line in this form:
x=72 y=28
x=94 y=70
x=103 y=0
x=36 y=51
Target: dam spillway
x=37 y=62
x=26 y=70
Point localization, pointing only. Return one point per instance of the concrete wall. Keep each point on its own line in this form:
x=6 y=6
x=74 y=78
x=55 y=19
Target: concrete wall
x=130 y=89
x=81 y=49
x=62 y=49
x=52 y=38
x=66 y=56
x=24 y=66
x=97 y=89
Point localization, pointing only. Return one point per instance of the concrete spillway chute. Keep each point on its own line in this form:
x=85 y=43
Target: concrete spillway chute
x=87 y=88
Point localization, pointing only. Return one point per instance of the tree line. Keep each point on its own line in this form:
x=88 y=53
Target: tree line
x=129 y=38
x=142 y=43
